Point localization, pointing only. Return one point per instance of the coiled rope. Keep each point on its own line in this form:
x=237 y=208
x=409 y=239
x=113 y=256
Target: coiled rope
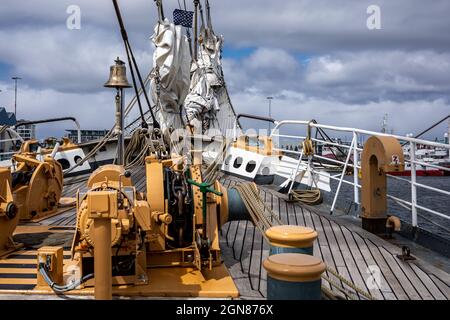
x=309 y=197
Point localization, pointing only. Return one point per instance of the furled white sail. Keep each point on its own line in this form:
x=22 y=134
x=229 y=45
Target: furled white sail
x=177 y=82
x=170 y=77
x=201 y=103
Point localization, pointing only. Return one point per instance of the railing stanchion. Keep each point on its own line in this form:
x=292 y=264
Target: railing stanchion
x=355 y=168
x=294 y=173
x=342 y=176
x=412 y=158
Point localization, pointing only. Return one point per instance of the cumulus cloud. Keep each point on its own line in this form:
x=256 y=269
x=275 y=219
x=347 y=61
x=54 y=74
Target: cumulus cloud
x=316 y=57
x=92 y=110
x=349 y=76
x=318 y=26
x=289 y=105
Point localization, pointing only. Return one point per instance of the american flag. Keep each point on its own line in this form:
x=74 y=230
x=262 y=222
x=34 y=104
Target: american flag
x=182 y=17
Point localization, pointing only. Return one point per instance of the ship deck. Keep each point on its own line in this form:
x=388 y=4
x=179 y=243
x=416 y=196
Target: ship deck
x=342 y=244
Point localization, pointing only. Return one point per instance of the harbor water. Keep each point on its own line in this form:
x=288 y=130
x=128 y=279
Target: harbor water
x=402 y=190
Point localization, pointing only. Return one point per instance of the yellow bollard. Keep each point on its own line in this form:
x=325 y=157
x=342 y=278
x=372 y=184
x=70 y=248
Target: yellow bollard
x=291 y=239
x=294 y=276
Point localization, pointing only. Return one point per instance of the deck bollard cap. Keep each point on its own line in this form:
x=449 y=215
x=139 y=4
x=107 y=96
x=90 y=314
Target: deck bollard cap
x=294 y=267
x=291 y=236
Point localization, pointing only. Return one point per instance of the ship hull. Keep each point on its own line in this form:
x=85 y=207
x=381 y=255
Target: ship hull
x=422 y=173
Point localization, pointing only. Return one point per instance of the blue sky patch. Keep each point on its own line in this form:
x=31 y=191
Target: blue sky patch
x=5 y=71
x=230 y=52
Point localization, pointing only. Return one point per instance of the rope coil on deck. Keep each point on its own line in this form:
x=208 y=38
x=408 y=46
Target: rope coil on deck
x=309 y=197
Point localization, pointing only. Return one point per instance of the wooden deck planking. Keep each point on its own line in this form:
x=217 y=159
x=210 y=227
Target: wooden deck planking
x=392 y=281
x=415 y=281
x=386 y=290
x=292 y=215
x=360 y=262
x=299 y=215
x=444 y=288
x=256 y=262
x=349 y=264
x=323 y=252
x=336 y=255
x=399 y=274
x=284 y=214
x=321 y=248
x=428 y=282
x=332 y=242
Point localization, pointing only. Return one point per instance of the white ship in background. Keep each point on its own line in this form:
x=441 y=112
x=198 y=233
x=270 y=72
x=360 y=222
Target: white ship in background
x=430 y=159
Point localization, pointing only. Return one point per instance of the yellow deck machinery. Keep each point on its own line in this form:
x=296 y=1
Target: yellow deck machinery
x=36 y=184
x=128 y=239
x=8 y=213
x=30 y=190
x=174 y=224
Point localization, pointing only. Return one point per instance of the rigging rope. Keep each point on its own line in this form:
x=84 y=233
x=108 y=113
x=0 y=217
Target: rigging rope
x=92 y=153
x=142 y=143
x=348 y=283
x=262 y=216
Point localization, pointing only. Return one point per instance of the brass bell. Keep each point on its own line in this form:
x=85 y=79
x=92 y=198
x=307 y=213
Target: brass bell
x=118 y=76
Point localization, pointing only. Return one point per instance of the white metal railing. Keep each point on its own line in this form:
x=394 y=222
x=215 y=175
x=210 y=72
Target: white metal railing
x=7 y=139
x=354 y=153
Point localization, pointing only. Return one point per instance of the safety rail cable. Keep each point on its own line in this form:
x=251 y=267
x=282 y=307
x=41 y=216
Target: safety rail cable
x=356 y=150
x=111 y=134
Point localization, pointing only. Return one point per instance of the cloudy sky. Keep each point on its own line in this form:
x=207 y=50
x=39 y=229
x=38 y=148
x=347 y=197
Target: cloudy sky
x=317 y=58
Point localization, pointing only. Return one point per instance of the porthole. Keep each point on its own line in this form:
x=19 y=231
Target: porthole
x=64 y=163
x=238 y=162
x=251 y=166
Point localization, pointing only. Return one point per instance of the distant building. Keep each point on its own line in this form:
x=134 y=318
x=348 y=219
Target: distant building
x=7 y=118
x=27 y=131
x=86 y=135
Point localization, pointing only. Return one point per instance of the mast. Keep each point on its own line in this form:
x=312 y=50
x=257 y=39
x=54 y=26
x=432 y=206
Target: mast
x=196 y=3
